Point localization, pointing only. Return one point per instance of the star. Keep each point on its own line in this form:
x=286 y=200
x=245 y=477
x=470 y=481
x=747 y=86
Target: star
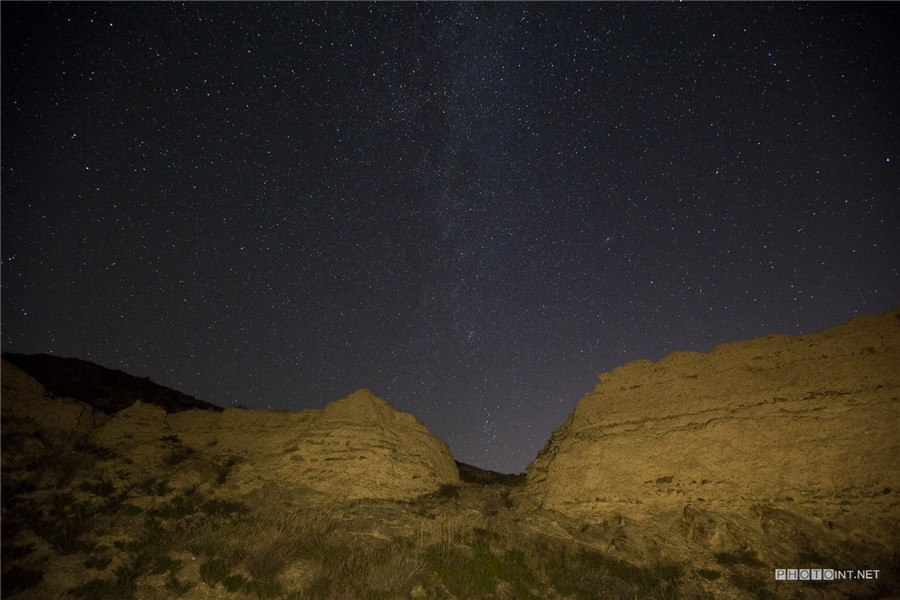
x=470 y=209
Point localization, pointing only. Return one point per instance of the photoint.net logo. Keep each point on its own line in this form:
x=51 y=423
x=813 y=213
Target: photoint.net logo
x=824 y=574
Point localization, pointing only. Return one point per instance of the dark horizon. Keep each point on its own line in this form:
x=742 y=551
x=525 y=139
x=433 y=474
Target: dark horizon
x=470 y=209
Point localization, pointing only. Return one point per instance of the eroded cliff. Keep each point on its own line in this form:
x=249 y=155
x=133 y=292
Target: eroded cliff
x=788 y=444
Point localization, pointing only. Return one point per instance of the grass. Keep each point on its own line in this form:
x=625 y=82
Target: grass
x=261 y=548
x=64 y=529
x=265 y=562
x=465 y=572
x=385 y=569
x=741 y=565
x=125 y=529
x=242 y=553
x=308 y=553
x=391 y=568
x=586 y=573
x=477 y=563
x=753 y=583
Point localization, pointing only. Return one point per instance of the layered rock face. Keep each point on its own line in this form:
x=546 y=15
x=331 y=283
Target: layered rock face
x=356 y=447
x=806 y=424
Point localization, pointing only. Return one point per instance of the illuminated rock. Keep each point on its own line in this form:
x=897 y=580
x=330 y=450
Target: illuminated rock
x=780 y=429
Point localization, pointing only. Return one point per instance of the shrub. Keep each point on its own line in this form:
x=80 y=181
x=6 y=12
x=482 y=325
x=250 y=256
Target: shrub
x=223 y=508
x=741 y=557
x=103 y=487
x=149 y=551
x=213 y=571
x=465 y=575
x=97 y=561
x=67 y=466
x=515 y=569
x=447 y=490
x=153 y=487
x=810 y=556
x=172 y=583
x=575 y=571
x=233 y=583
x=18 y=580
x=13 y=552
x=267 y=560
x=130 y=509
x=112 y=503
x=753 y=583
x=225 y=468
x=63 y=530
x=178 y=507
x=391 y=568
x=104 y=589
x=266 y=588
x=120 y=588
x=178 y=455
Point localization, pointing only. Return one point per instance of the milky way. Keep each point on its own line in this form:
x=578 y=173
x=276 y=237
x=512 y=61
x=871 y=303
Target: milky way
x=471 y=209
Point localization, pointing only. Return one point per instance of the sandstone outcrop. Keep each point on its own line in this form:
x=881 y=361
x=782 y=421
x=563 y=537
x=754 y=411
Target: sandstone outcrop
x=792 y=432
x=356 y=447
x=694 y=477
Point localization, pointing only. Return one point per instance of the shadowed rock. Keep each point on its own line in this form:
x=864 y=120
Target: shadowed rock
x=107 y=390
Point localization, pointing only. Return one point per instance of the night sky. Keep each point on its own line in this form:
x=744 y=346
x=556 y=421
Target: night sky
x=471 y=209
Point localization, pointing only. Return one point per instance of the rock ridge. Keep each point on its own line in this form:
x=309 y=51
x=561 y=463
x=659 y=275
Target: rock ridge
x=356 y=447
x=106 y=390
x=805 y=425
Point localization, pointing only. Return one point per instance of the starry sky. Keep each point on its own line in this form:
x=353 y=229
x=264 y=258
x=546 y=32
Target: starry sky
x=471 y=209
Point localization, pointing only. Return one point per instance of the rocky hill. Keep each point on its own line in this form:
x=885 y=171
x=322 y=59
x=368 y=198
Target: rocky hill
x=785 y=445
x=106 y=390
x=693 y=477
x=356 y=447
